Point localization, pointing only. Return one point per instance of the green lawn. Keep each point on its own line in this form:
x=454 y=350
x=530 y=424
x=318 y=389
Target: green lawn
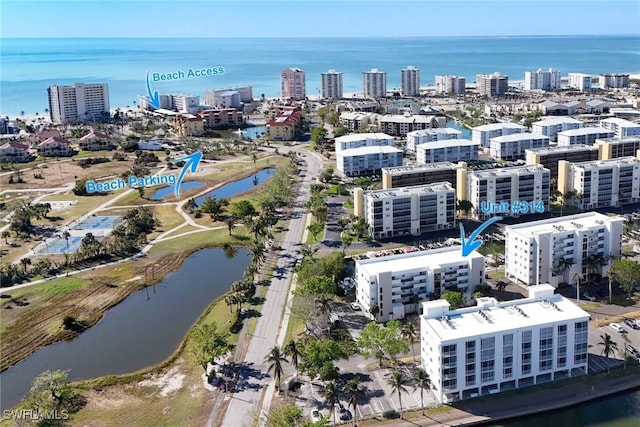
x=202 y=240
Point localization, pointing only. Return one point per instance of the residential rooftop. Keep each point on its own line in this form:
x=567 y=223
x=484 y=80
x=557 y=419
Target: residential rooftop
x=401 y=170
x=556 y=121
x=355 y=137
x=564 y=224
x=561 y=149
x=444 y=143
x=584 y=131
x=508 y=171
x=434 y=187
x=597 y=164
x=361 y=151
x=514 y=137
x=497 y=126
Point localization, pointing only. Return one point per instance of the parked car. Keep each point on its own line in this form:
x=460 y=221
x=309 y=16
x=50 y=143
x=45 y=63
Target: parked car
x=617 y=327
x=632 y=350
x=355 y=306
x=630 y=323
x=316 y=416
x=588 y=296
x=346 y=416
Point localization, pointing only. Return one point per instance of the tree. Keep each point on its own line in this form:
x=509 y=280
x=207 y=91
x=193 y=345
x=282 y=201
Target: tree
x=5 y=235
x=577 y=277
x=214 y=207
x=285 y=416
x=292 y=350
x=323 y=303
x=231 y=222
x=423 y=381
x=412 y=336
x=330 y=393
x=456 y=299
x=243 y=210
x=347 y=240
x=382 y=342
x=340 y=131
x=315 y=228
x=275 y=359
x=626 y=273
x=317 y=285
x=398 y=382
x=318 y=358
x=609 y=346
x=354 y=391
x=318 y=134
x=465 y=206
x=25 y=262
x=207 y=343
x=51 y=391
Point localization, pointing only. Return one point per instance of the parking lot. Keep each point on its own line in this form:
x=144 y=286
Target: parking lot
x=599 y=363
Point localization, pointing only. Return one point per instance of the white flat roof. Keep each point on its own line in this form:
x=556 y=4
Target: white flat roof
x=362 y=137
x=596 y=164
x=419 y=168
x=512 y=170
x=406 y=119
x=565 y=223
x=434 y=187
x=413 y=260
x=562 y=148
x=361 y=151
x=499 y=317
x=585 y=131
x=433 y=131
x=514 y=137
x=444 y=143
x=496 y=126
x=620 y=122
x=556 y=121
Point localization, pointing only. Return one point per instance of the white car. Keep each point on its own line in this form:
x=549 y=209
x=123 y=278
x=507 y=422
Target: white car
x=617 y=327
x=588 y=296
x=355 y=306
x=316 y=416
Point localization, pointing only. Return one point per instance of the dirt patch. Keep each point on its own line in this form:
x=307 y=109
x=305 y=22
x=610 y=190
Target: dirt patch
x=109 y=398
x=169 y=382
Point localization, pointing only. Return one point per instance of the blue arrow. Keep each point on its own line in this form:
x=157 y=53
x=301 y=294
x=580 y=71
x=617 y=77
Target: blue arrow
x=192 y=162
x=154 y=99
x=472 y=244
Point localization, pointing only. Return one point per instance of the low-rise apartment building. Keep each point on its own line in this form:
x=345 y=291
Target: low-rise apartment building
x=95 y=141
x=550 y=156
x=562 y=250
x=54 y=147
x=621 y=128
x=393 y=286
x=358 y=140
x=447 y=150
x=14 y=152
x=407 y=210
x=618 y=147
x=551 y=127
x=601 y=183
x=499 y=346
x=188 y=125
x=367 y=160
x=584 y=136
x=405 y=176
x=510 y=147
x=285 y=126
x=489 y=188
x=401 y=125
x=483 y=134
x=418 y=137
x=222 y=118
x=358 y=120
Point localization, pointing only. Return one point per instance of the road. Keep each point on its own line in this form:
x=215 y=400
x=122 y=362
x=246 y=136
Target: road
x=245 y=403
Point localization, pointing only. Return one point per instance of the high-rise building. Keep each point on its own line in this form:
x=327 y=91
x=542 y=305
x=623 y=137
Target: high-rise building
x=580 y=81
x=450 y=84
x=332 y=85
x=292 y=83
x=550 y=156
x=542 y=79
x=375 y=83
x=492 y=84
x=78 y=102
x=555 y=250
x=499 y=346
x=410 y=81
x=613 y=81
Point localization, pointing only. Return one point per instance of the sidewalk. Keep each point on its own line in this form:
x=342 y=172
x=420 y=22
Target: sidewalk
x=529 y=400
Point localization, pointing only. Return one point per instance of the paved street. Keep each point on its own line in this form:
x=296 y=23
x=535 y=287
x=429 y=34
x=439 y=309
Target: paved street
x=243 y=406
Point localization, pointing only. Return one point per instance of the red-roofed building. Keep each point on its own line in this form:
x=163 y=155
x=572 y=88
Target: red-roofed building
x=187 y=125
x=95 y=141
x=38 y=137
x=285 y=126
x=54 y=147
x=14 y=152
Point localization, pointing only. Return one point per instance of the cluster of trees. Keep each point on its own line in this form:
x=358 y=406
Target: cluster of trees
x=207 y=343
x=627 y=273
x=51 y=393
x=24 y=213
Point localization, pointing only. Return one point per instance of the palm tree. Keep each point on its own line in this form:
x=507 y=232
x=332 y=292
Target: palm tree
x=231 y=222
x=612 y=277
x=275 y=359
x=5 y=235
x=609 y=346
x=25 y=262
x=330 y=392
x=323 y=303
x=292 y=350
x=398 y=382
x=423 y=381
x=410 y=334
x=577 y=277
x=591 y=263
x=353 y=391
x=563 y=265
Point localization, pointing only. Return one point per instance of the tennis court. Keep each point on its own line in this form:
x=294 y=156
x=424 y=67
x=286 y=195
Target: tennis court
x=97 y=222
x=60 y=246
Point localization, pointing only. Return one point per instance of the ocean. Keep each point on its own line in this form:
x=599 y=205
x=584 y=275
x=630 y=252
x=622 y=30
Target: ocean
x=29 y=66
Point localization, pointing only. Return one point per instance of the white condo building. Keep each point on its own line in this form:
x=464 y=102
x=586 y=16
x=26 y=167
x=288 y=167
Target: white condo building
x=358 y=140
x=510 y=147
x=407 y=210
x=551 y=127
x=542 y=80
x=580 y=81
x=499 y=346
x=418 y=137
x=183 y=103
x=557 y=250
x=621 y=128
x=78 y=102
x=332 y=85
x=450 y=84
x=483 y=134
x=396 y=284
x=601 y=183
x=410 y=81
x=374 y=83
x=447 y=150
x=613 y=81
x=492 y=84
x=585 y=136
x=486 y=188
x=367 y=160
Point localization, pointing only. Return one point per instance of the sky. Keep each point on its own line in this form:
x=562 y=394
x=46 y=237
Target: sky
x=308 y=18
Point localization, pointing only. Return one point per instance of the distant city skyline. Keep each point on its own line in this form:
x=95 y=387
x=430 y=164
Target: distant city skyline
x=206 y=18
